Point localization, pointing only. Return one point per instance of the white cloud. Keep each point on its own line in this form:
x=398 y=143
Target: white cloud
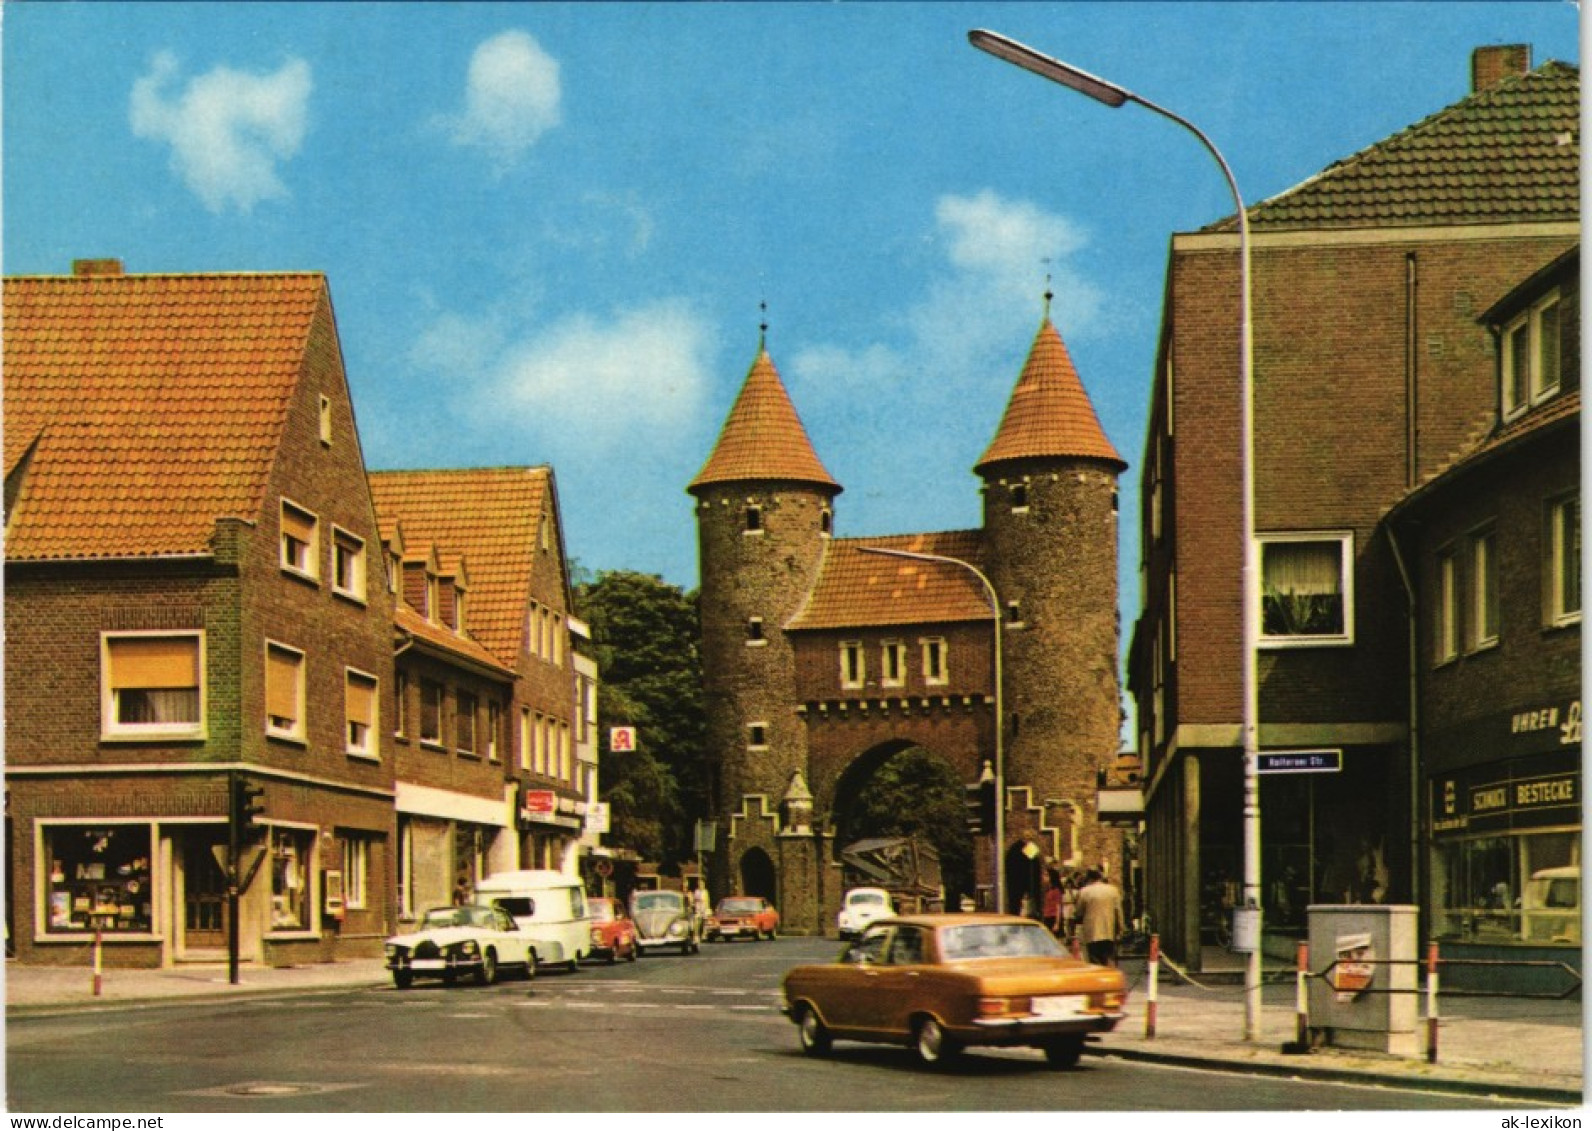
x=984 y=298
x=512 y=97
x=228 y=130
x=638 y=378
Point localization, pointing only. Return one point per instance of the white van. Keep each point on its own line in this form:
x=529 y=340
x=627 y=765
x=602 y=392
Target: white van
x=548 y=906
x=1551 y=910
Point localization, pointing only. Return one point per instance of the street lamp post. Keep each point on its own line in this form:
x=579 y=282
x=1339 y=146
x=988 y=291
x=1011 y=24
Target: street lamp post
x=1000 y=707
x=1112 y=95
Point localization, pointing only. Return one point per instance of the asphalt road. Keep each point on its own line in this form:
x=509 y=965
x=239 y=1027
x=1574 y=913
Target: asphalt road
x=667 y=1033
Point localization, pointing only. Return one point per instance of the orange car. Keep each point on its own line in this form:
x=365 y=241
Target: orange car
x=737 y=915
x=938 y=983
x=613 y=935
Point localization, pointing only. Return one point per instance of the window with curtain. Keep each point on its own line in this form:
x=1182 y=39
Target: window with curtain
x=153 y=685
x=1304 y=589
x=284 y=691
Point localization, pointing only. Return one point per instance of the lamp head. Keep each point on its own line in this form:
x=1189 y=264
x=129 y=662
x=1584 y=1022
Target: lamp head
x=1044 y=66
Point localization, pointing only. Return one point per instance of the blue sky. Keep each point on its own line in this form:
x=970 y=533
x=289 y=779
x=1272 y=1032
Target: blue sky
x=548 y=227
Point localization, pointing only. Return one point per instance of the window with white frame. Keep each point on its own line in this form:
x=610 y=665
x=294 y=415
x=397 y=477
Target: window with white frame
x=362 y=716
x=152 y=685
x=1446 y=628
x=526 y=738
x=757 y=735
x=348 y=564
x=431 y=712
x=1564 y=560
x=1306 y=591
x=494 y=729
x=754 y=631
x=464 y=710
x=284 y=691
x=356 y=872
x=565 y=753
x=1530 y=363
x=936 y=664
x=326 y=421
x=853 y=668
x=1483 y=589
x=539 y=744
x=893 y=664
x=301 y=541
x=533 y=629
x=291 y=872
x=400 y=695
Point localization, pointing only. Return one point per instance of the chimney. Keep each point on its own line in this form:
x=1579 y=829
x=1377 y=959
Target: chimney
x=1489 y=66
x=83 y=268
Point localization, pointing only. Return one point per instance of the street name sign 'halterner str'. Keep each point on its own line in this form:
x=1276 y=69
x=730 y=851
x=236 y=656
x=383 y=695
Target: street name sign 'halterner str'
x=1300 y=761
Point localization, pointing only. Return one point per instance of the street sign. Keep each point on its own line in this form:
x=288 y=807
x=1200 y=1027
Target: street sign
x=1300 y=762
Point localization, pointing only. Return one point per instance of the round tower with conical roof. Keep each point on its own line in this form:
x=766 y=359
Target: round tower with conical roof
x=1050 y=530
x=765 y=511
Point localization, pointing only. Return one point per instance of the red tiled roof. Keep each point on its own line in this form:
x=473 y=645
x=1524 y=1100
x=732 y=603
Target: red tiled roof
x=490 y=516
x=407 y=620
x=1510 y=152
x=1049 y=413
x=152 y=405
x=855 y=589
x=763 y=438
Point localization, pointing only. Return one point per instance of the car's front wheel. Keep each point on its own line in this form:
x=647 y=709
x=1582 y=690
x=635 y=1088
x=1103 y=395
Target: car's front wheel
x=934 y=1047
x=1063 y=1052
x=486 y=974
x=812 y=1032
x=403 y=979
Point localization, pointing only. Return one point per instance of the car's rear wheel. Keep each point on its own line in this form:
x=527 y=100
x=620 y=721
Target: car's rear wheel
x=1063 y=1052
x=486 y=974
x=934 y=1047
x=403 y=979
x=812 y=1032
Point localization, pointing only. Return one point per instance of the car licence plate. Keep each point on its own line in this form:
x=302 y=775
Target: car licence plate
x=428 y=964
x=1061 y=1005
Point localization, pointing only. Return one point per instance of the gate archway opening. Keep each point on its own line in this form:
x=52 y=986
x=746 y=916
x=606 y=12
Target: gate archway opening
x=757 y=875
x=901 y=789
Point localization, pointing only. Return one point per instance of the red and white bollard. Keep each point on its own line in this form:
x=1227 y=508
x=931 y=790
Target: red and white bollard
x=1302 y=996
x=97 y=963
x=1431 y=1002
x=1154 y=971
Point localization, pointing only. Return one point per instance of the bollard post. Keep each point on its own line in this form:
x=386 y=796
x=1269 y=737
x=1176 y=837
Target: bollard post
x=97 y=965
x=1154 y=970
x=1431 y=1002
x=1302 y=996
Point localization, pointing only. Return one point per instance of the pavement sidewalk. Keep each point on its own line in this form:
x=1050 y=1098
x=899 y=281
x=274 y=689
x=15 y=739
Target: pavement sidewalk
x=1531 y=1050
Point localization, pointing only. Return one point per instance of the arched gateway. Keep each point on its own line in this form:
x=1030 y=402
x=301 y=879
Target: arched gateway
x=825 y=656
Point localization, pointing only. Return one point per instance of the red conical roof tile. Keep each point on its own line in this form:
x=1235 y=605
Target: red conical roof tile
x=763 y=438
x=1049 y=414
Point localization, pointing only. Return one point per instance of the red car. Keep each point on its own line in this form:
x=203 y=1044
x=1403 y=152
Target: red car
x=613 y=934
x=738 y=915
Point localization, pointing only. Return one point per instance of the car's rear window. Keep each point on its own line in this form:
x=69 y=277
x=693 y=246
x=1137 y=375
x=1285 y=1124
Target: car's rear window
x=998 y=940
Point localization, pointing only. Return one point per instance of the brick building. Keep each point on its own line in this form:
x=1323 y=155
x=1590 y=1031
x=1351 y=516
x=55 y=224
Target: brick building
x=1371 y=371
x=1492 y=542
x=490 y=711
x=193 y=592
x=822 y=660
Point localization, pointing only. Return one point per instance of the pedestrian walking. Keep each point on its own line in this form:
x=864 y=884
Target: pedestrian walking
x=1054 y=905
x=1100 y=918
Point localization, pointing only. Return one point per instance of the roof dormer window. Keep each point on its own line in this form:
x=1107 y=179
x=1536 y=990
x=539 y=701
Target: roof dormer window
x=1529 y=370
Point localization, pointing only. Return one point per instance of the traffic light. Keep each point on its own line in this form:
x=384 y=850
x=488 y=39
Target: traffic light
x=980 y=802
x=248 y=803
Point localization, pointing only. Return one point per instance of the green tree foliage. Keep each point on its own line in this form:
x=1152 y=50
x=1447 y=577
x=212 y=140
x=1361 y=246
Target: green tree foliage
x=917 y=794
x=650 y=677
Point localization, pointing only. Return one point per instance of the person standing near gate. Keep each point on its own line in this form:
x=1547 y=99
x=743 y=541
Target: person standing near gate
x=1100 y=918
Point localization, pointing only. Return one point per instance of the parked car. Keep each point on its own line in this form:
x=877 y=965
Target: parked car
x=939 y=983
x=666 y=918
x=1551 y=910
x=861 y=906
x=548 y=905
x=613 y=935
x=736 y=916
x=449 y=941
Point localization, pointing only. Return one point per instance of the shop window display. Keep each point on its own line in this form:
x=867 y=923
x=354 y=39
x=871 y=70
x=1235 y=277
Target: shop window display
x=1483 y=885
x=290 y=879
x=99 y=879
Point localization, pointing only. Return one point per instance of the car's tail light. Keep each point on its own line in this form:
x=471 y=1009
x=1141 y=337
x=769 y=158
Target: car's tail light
x=1113 y=1000
x=1003 y=1006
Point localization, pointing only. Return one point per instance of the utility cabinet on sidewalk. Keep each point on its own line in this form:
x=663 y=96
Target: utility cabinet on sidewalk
x=1353 y=944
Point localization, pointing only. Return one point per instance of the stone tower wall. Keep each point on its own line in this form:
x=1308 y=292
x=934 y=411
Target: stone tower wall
x=1052 y=549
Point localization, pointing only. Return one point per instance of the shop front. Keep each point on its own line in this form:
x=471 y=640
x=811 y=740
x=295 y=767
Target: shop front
x=1506 y=853
x=447 y=842
x=550 y=826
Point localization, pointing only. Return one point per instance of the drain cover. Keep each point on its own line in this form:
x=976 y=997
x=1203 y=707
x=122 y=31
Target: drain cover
x=270 y=1089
